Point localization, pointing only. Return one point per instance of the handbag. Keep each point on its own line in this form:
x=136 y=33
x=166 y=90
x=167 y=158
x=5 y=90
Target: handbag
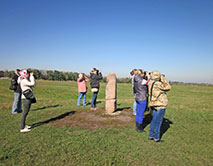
x=29 y=95
x=94 y=90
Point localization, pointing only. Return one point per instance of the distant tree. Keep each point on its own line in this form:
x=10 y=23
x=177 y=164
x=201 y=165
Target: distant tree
x=1 y=73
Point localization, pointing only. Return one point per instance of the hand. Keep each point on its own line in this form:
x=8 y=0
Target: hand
x=99 y=71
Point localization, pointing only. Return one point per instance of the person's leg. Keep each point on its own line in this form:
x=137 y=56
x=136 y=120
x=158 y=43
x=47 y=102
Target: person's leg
x=141 y=106
x=159 y=119
x=15 y=103
x=134 y=107
x=79 y=99
x=93 y=100
x=19 y=104
x=26 y=109
x=152 y=125
x=96 y=95
x=84 y=99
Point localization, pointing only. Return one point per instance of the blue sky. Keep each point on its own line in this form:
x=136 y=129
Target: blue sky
x=172 y=36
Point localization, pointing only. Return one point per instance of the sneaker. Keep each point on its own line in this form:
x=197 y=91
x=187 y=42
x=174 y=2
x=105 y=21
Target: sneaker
x=150 y=138
x=28 y=127
x=158 y=140
x=24 y=130
x=140 y=131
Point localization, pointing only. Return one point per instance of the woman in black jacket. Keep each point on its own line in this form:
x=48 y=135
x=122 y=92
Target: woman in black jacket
x=95 y=78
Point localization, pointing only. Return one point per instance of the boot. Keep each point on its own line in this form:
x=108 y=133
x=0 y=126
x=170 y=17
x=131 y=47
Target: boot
x=139 y=128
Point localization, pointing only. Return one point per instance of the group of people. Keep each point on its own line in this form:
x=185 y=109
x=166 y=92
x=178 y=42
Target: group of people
x=150 y=88
x=23 y=81
x=95 y=78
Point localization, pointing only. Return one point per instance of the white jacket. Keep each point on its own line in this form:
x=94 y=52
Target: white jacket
x=26 y=84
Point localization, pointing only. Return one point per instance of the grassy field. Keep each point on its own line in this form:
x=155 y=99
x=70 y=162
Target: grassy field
x=187 y=135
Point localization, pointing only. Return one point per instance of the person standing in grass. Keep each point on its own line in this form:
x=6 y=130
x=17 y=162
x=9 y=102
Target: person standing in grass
x=82 y=89
x=16 y=108
x=141 y=94
x=158 y=101
x=27 y=81
x=132 y=74
x=95 y=78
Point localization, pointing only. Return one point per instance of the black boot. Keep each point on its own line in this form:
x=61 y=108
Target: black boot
x=139 y=128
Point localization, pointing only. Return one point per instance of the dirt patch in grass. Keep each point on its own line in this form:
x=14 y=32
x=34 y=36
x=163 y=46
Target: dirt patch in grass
x=96 y=119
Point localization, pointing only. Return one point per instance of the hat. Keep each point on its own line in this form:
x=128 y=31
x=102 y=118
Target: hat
x=80 y=75
x=24 y=74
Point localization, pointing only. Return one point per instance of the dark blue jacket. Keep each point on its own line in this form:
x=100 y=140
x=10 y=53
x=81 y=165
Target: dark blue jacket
x=141 y=91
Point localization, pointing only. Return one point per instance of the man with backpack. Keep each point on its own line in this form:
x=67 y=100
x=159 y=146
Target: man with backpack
x=16 y=108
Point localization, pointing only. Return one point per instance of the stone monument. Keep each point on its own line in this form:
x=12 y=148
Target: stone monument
x=111 y=94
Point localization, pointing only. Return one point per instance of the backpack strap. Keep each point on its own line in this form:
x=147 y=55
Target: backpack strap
x=152 y=90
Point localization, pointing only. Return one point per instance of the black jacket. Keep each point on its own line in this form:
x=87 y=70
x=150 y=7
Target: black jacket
x=95 y=80
x=18 y=89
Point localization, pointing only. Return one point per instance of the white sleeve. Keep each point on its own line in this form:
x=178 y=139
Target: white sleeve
x=144 y=82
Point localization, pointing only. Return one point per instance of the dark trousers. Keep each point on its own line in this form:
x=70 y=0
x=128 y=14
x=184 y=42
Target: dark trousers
x=26 y=108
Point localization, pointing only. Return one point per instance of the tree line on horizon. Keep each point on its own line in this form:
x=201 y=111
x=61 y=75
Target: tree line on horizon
x=55 y=75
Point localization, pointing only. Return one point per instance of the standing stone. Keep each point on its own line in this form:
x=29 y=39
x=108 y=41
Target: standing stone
x=111 y=94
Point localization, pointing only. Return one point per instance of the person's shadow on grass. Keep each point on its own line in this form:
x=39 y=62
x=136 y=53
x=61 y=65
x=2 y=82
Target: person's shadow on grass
x=165 y=126
x=45 y=107
x=52 y=119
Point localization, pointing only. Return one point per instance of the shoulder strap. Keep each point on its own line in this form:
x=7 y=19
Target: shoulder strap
x=152 y=89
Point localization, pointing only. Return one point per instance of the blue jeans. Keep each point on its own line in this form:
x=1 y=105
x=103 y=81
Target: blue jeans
x=141 y=107
x=80 y=95
x=16 y=103
x=157 y=120
x=94 y=98
x=134 y=107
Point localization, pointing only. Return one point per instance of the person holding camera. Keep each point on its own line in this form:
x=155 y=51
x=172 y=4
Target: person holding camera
x=16 y=108
x=27 y=81
x=158 y=87
x=82 y=89
x=95 y=78
x=141 y=94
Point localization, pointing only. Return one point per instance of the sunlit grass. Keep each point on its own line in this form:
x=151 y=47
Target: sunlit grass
x=187 y=139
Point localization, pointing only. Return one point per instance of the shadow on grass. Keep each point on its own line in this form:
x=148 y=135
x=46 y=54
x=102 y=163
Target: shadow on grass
x=53 y=119
x=121 y=109
x=45 y=107
x=165 y=126
x=98 y=102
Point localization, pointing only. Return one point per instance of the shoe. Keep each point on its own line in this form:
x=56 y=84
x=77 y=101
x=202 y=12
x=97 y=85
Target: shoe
x=150 y=138
x=92 y=109
x=14 y=113
x=24 y=130
x=28 y=127
x=95 y=108
x=158 y=140
x=139 y=128
x=140 y=131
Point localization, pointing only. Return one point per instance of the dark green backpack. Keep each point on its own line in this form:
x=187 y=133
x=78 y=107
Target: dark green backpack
x=13 y=85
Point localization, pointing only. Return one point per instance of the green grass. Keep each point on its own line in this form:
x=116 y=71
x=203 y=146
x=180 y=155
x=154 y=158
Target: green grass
x=187 y=138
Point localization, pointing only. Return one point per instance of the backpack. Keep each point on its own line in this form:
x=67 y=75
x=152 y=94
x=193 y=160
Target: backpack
x=13 y=85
